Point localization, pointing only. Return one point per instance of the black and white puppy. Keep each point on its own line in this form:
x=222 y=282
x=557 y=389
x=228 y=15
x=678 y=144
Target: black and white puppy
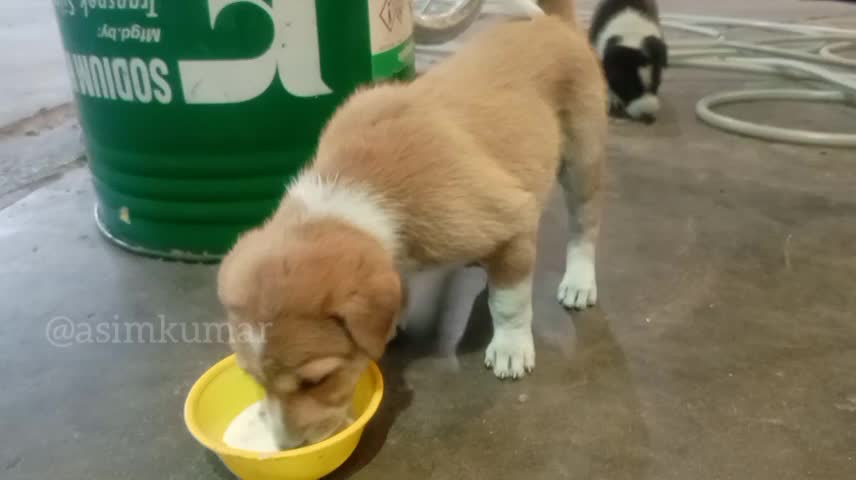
x=627 y=36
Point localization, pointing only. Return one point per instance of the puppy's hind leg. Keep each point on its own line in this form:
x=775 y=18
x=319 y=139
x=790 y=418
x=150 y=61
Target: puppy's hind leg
x=511 y=353
x=579 y=175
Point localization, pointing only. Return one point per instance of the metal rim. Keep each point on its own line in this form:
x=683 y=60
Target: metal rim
x=154 y=253
x=432 y=29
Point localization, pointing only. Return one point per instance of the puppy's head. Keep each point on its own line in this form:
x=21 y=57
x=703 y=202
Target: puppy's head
x=634 y=75
x=309 y=307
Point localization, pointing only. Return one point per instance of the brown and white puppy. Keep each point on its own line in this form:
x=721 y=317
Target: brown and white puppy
x=452 y=168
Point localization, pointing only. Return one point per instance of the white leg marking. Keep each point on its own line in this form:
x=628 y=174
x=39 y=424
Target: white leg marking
x=511 y=353
x=579 y=285
x=647 y=104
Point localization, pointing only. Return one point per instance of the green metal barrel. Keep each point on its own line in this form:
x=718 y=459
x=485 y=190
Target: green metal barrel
x=196 y=113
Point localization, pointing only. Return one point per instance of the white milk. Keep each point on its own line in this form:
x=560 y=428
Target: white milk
x=248 y=431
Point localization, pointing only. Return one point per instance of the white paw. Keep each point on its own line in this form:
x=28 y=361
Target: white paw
x=511 y=353
x=579 y=286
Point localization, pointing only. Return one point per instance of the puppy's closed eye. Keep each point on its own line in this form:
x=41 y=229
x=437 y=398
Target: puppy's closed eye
x=315 y=372
x=308 y=383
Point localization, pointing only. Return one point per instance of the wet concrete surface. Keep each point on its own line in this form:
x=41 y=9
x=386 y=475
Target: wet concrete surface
x=33 y=66
x=724 y=345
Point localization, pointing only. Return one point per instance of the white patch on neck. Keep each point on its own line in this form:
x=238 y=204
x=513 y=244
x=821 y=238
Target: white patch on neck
x=631 y=26
x=350 y=202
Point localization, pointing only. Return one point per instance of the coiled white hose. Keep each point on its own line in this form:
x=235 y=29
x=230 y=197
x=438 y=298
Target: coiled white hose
x=810 y=55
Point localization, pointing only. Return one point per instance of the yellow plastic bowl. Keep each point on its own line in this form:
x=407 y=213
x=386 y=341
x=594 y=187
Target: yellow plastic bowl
x=225 y=390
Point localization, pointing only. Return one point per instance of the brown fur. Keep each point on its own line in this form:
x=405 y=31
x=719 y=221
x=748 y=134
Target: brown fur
x=263 y=282
x=564 y=9
x=465 y=156
x=483 y=131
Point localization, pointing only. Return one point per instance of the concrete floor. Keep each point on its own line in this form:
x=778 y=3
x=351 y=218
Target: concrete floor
x=724 y=345
x=32 y=63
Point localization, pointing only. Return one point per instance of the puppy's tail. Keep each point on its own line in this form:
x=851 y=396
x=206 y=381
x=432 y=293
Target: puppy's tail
x=564 y=9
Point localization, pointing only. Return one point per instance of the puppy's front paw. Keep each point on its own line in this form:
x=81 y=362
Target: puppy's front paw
x=511 y=353
x=579 y=286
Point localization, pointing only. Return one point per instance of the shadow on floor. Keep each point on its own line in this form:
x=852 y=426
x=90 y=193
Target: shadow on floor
x=593 y=364
x=447 y=315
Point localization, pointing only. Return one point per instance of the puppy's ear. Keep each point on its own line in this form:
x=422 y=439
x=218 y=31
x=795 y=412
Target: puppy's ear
x=655 y=48
x=369 y=313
